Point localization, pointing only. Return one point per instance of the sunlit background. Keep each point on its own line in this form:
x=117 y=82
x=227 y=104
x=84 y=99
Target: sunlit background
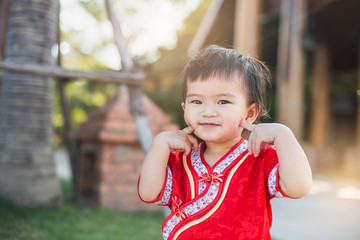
x=147 y=25
x=161 y=35
x=155 y=31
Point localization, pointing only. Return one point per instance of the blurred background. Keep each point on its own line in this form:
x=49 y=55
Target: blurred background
x=82 y=83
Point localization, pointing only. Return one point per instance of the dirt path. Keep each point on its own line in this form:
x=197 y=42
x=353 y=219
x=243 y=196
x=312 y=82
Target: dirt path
x=330 y=211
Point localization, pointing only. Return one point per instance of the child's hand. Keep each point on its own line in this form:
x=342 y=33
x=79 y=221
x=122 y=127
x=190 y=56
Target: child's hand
x=180 y=141
x=261 y=135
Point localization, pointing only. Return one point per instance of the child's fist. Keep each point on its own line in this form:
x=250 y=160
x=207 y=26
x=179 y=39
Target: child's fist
x=181 y=140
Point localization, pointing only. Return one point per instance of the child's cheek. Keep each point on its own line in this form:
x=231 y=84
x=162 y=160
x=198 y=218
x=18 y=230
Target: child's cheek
x=187 y=118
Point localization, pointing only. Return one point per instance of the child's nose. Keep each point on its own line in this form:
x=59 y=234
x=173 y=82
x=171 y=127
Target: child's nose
x=209 y=111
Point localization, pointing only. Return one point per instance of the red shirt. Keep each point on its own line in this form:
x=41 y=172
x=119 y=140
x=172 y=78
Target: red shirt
x=231 y=200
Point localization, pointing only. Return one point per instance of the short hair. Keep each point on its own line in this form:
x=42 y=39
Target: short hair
x=232 y=65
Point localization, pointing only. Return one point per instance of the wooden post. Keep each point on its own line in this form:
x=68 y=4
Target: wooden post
x=290 y=73
x=320 y=97
x=4 y=15
x=66 y=112
x=205 y=27
x=247 y=29
x=358 y=103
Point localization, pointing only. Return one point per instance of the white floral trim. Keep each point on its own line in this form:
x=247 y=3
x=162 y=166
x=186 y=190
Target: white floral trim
x=199 y=167
x=203 y=202
x=170 y=224
x=192 y=208
x=168 y=189
x=231 y=157
x=272 y=182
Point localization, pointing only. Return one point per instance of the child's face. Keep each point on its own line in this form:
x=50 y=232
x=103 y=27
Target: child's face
x=215 y=108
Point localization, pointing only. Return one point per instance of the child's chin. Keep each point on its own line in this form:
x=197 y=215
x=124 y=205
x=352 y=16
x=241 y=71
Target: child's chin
x=210 y=139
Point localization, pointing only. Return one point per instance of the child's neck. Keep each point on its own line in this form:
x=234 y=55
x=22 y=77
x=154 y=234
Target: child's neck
x=215 y=151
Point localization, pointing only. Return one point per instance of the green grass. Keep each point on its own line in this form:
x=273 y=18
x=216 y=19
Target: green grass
x=74 y=222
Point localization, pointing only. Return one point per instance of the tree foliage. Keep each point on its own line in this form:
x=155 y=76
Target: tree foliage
x=83 y=96
x=161 y=83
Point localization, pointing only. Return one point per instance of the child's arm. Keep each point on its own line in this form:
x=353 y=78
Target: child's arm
x=153 y=170
x=294 y=169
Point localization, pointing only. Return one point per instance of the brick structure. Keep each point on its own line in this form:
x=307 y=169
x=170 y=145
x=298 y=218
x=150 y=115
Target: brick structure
x=110 y=154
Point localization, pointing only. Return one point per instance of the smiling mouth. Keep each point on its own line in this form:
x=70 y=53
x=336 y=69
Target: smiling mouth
x=209 y=124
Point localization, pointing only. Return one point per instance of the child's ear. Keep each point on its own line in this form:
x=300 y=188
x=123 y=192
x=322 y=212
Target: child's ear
x=252 y=113
x=183 y=106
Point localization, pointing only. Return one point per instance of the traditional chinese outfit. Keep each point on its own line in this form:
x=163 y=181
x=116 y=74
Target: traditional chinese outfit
x=230 y=200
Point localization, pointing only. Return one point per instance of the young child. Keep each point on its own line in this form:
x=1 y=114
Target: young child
x=221 y=188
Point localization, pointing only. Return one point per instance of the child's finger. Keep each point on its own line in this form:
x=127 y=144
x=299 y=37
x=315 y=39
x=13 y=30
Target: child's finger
x=250 y=140
x=253 y=145
x=247 y=126
x=257 y=146
x=188 y=130
x=187 y=149
x=190 y=141
x=193 y=142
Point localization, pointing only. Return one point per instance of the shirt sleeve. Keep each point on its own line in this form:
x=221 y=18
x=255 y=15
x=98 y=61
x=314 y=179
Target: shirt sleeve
x=166 y=191
x=272 y=174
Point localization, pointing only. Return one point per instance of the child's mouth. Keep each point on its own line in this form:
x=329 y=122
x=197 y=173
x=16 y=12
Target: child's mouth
x=209 y=124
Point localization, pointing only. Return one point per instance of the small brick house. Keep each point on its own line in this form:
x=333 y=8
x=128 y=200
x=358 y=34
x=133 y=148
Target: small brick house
x=110 y=154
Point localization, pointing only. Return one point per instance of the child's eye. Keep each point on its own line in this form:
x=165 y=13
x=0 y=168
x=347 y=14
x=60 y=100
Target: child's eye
x=196 y=102
x=223 y=102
